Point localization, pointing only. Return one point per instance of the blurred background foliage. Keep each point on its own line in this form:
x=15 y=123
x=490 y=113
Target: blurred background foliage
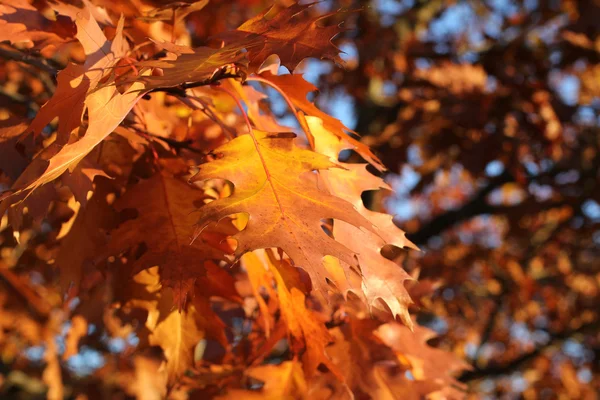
x=487 y=115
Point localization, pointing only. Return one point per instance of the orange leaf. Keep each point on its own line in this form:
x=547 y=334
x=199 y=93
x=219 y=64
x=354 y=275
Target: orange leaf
x=297 y=88
x=304 y=325
x=382 y=278
x=274 y=186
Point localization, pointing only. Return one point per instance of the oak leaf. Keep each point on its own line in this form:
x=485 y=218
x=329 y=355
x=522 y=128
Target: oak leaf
x=88 y=234
x=382 y=279
x=67 y=103
x=12 y=162
x=429 y=365
x=297 y=88
x=165 y=225
x=273 y=185
x=72 y=9
x=177 y=332
x=174 y=12
x=199 y=65
x=20 y=22
x=371 y=366
x=260 y=279
x=363 y=360
x=289 y=34
x=304 y=325
x=106 y=106
x=283 y=381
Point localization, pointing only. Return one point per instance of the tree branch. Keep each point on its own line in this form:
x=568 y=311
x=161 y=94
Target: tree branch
x=522 y=360
x=476 y=206
x=29 y=59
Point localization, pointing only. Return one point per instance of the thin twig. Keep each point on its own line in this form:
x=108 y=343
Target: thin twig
x=37 y=62
x=518 y=362
x=19 y=98
x=227 y=131
x=176 y=144
x=180 y=90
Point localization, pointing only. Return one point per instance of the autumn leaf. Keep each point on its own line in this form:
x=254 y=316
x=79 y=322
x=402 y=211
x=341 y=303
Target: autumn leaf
x=76 y=81
x=283 y=381
x=67 y=103
x=297 y=88
x=106 y=106
x=289 y=34
x=252 y=98
x=21 y=23
x=177 y=332
x=367 y=364
x=200 y=65
x=382 y=279
x=303 y=325
x=165 y=207
x=72 y=9
x=428 y=364
x=12 y=162
x=272 y=181
x=260 y=279
x=175 y=11
x=87 y=234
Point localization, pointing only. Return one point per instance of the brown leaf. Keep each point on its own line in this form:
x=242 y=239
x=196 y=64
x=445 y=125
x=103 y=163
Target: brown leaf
x=260 y=278
x=71 y=10
x=176 y=49
x=428 y=364
x=165 y=224
x=289 y=34
x=67 y=103
x=86 y=238
x=106 y=106
x=12 y=163
x=175 y=11
x=20 y=22
x=201 y=64
x=367 y=364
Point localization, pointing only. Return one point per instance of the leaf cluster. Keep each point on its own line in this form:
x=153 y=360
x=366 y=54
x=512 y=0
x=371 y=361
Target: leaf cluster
x=158 y=216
